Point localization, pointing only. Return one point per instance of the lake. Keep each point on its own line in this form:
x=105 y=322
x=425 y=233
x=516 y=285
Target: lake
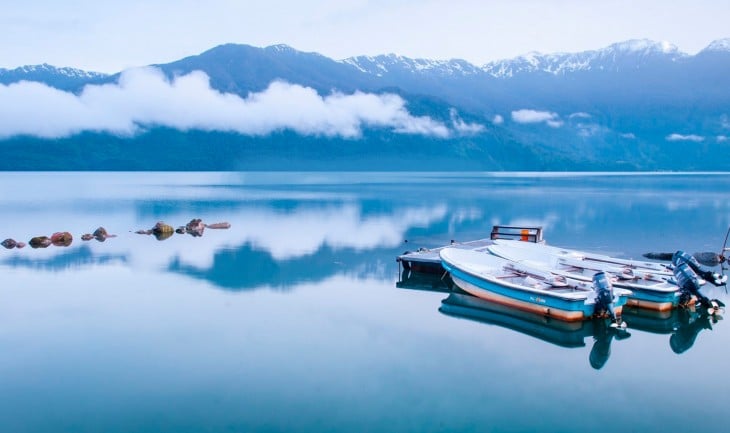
x=298 y=318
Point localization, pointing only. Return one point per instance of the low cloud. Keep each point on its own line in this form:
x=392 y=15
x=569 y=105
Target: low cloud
x=722 y=138
x=463 y=128
x=498 y=119
x=587 y=130
x=145 y=98
x=580 y=115
x=628 y=135
x=533 y=116
x=725 y=121
x=680 y=137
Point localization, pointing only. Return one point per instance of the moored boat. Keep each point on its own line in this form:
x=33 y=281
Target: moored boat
x=594 y=260
x=498 y=280
x=651 y=284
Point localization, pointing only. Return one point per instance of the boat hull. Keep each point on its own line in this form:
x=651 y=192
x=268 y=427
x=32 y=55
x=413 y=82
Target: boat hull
x=652 y=294
x=479 y=275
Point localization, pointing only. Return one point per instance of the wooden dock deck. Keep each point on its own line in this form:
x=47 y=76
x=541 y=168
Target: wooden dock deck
x=427 y=260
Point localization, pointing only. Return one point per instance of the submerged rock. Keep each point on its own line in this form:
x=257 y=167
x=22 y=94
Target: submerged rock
x=40 y=242
x=161 y=236
x=144 y=232
x=20 y=245
x=9 y=243
x=223 y=225
x=101 y=234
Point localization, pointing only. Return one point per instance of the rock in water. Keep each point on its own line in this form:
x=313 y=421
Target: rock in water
x=161 y=227
x=100 y=233
x=40 y=242
x=87 y=237
x=61 y=239
x=195 y=227
x=9 y=243
x=162 y=231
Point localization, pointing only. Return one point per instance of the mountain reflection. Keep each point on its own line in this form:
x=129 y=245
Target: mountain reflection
x=66 y=259
x=247 y=267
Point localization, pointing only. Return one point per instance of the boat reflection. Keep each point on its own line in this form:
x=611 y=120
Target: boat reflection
x=561 y=333
x=683 y=325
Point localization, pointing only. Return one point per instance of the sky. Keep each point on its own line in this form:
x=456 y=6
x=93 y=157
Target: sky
x=108 y=36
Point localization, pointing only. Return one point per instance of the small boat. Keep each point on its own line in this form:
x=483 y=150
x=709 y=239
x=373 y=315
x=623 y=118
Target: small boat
x=498 y=280
x=594 y=260
x=651 y=284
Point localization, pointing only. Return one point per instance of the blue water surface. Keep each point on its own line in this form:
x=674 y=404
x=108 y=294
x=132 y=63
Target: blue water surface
x=298 y=318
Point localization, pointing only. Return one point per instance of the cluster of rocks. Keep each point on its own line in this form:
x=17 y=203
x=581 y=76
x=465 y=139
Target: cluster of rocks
x=99 y=234
x=195 y=228
x=59 y=239
x=161 y=231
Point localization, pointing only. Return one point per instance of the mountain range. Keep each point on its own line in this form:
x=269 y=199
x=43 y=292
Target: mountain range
x=635 y=105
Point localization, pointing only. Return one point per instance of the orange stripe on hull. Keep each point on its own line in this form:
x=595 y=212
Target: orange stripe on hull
x=649 y=305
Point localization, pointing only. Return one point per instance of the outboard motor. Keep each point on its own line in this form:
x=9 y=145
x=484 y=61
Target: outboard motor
x=687 y=273
x=604 y=297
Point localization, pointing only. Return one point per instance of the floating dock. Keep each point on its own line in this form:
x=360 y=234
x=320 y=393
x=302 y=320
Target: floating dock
x=427 y=260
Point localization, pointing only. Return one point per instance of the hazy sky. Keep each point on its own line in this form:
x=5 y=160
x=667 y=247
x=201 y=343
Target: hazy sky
x=110 y=36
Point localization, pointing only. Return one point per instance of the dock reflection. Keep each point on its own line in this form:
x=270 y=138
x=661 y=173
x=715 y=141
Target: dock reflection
x=425 y=281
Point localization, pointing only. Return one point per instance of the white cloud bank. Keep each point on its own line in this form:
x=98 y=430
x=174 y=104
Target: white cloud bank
x=144 y=97
x=533 y=116
x=680 y=137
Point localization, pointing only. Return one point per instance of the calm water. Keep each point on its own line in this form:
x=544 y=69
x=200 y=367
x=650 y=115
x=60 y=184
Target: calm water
x=297 y=318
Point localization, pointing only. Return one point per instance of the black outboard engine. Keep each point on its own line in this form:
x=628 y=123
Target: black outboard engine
x=604 y=297
x=687 y=271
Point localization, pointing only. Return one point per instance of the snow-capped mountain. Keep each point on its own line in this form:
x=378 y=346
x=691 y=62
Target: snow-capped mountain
x=632 y=54
x=719 y=46
x=637 y=104
x=61 y=78
x=395 y=64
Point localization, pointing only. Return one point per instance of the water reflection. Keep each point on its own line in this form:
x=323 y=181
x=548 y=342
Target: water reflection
x=564 y=334
x=293 y=227
x=66 y=260
x=682 y=325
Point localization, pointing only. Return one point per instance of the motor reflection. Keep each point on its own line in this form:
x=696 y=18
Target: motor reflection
x=682 y=324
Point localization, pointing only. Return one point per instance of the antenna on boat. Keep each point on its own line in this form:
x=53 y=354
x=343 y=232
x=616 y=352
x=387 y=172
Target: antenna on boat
x=722 y=257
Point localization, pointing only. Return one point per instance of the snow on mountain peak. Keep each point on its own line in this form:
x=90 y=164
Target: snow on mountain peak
x=605 y=59
x=388 y=63
x=719 y=45
x=50 y=69
x=644 y=46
